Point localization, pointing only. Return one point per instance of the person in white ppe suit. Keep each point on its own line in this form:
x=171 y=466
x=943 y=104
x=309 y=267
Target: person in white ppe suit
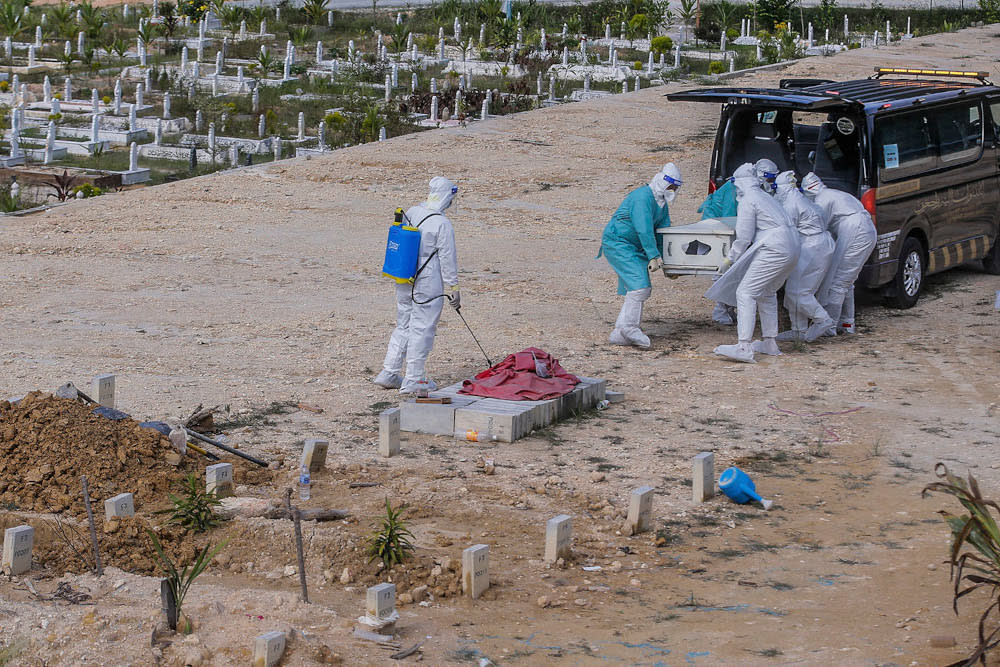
x=767 y=174
x=760 y=259
x=418 y=305
x=814 y=261
x=854 y=233
x=634 y=249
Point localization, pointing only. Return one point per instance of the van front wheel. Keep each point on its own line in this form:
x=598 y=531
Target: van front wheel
x=909 y=278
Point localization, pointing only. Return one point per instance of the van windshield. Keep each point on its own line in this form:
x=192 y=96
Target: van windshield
x=828 y=144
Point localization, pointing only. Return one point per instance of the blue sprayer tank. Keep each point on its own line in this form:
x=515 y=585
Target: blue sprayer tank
x=402 y=249
x=740 y=488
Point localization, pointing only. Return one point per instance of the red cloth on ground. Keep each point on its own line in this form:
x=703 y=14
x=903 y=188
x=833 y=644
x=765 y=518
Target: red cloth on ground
x=515 y=379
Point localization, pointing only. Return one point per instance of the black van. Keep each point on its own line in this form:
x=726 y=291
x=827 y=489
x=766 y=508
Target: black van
x=922 y=155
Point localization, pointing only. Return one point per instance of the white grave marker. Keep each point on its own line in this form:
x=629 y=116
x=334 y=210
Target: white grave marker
x=476 y=570
x=219 y=479
x=121 y=505
x=703 y=477
x=268 y=648
x=314 y=453
x=17 y=543
x=388 y=421
x=640 y=509
x=103 y=388
x=558 y=537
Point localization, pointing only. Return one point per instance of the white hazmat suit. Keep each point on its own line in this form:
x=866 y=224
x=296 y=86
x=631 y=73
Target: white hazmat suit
x=418 y=305
x=763 y=254
x=854 y=234
x=814 y=261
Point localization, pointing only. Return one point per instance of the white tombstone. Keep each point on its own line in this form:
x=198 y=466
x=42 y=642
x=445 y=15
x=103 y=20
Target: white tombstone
x=565 y=56
x=395 y=74
x=586 y=82
x=703 y=476
x=287 y=71
x=255 y=100
x=319 y=52
x=388 y=87
x=677 y=56
x=350 y=50
x=17 y=544
x=15 y=151
x=68 y=48
x=321 y=135
x=31 y=54
x=649 y=64
x=56 y=106
x=485 y=113
x=219 y=479
x=211 y=140
x=234 y=155
x=760 y=55
x=434 y=109
x=8 y=48
x=277 y=148
x=314 y=453
x=845 y=26
x=261 y=126
x=558 y=537
x=184 y=59
x=302 y=126
x=263 y=27
x=166 y=105
x=133 y=157
x=388 y=420
x=607 y=31
x=158 y=135
x=625 y=86
x=218 y=62
x=67 y=89
x=413 y=82
x=119 y=506
x=476 y=570
x=482 y=34
x=95 y=128
x=381 y=133
x=139 y=90
x=118 y=97
x=268 y=648
x=552 y=88
x=198 y=120
x=538 y=85
x=103 y=390
x=47 y=90
x=637 y=82
x=809 y=39
x=132 y=120
x=329 y=19
x=441 y=49
x=215 y=85
x=640 y=509
x=38 y=36
x=380 y=602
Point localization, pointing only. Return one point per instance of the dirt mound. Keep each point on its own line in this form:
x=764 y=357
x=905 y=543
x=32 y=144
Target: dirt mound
x=47 y=443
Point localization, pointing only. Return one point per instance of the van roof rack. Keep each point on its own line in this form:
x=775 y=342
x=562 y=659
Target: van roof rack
x=912 y=71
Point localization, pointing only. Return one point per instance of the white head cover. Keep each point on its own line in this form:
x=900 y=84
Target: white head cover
x=744 y=178
x=785 y=183
x=441 y=193
x=766 y=172
x=812 y=185
x=669 y=175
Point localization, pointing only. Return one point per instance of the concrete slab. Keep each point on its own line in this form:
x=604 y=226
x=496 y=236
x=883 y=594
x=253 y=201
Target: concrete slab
x=432 y=418
x=506 y=420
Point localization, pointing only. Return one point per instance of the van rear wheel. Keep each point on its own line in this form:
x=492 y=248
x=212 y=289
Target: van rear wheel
x=991 y=263
x=909 y=278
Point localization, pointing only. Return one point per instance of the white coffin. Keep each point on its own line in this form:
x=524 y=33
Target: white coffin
x=698 y=248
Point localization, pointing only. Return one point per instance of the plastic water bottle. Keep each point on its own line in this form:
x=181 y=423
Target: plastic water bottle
x=304 y=482
x=178 y=438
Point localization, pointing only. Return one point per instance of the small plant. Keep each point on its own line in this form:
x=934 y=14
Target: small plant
x=193 y=510
x=390 y=543
x=180 y=580
x=637 y=65
x=975 y=553
x=62 y=186
x=106 y=100
x=716 y=67
x=88 y=190
x=662 y=44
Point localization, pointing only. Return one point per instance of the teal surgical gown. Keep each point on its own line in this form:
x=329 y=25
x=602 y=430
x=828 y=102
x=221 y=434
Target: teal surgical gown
x=721 y=203
x=630 y=239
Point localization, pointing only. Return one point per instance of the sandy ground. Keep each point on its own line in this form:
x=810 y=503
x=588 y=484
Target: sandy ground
x=260 y=285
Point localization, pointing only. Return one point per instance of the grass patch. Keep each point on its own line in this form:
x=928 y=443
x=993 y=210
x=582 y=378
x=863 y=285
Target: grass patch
x=259 y=417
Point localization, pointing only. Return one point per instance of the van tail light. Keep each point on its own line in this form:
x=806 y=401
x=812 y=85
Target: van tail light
x=868 y=201
x=711 y=186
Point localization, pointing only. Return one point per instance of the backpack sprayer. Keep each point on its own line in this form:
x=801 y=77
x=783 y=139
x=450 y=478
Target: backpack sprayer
x=402 y=254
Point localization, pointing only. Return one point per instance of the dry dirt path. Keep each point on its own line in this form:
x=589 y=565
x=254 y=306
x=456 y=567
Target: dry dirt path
x=263 y=285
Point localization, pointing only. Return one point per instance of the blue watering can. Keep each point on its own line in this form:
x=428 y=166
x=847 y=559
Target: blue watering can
x=740 y=488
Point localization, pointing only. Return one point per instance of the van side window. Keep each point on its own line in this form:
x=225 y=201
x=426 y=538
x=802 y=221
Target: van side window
x=959 y=131
x=903 y=146
x=995 y=113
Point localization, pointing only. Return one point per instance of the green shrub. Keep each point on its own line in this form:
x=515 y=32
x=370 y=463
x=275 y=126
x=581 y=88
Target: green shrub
x=390 y=542
x=637 y=65
x=732 y=34
x=716 y=67
x=193 y=510
x=662 y=44
x=88 y=190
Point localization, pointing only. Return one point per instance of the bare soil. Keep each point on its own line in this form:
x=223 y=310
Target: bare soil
x=261 y=287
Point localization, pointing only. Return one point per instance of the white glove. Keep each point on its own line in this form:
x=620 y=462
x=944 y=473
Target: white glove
x=655 y=264
x=455 y=298
x=726 y=263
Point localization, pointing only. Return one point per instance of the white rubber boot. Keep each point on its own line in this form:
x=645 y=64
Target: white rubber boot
x=766 y=346
x=740 y=352
x=388 y=380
